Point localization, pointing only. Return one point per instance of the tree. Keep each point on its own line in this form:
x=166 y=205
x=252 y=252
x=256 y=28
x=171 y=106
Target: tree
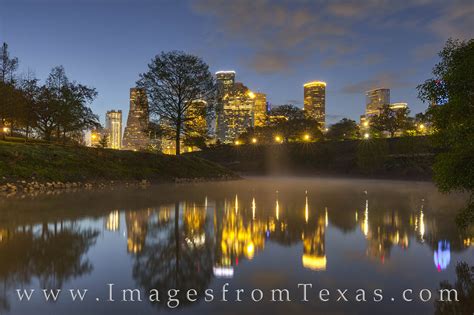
x=452 y=88
x=291 y=123
x=104 y=141
x=30 y=91
x=9 y=96
x=62 y=106
x=8 y=66
x=345 y=129
x=390 y=120
x=175 y=82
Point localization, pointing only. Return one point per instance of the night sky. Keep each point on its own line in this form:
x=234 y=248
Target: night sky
x=274 y=46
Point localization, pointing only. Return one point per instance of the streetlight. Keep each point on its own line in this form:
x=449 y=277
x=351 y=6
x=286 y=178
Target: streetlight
x=6 y=129
x=254 y=140
x=278 y=139
x=366 y=124
x=366 y=135
x=307 y=137
x=237 y=142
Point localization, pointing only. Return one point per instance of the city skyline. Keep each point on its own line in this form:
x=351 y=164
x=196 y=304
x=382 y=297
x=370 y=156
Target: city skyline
x=350 y=59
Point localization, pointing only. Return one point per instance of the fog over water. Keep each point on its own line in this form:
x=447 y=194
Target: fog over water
x=257 y=233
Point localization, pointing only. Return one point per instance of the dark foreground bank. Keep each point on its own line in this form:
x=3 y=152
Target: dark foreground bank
x=46 y=163
x=396 y=158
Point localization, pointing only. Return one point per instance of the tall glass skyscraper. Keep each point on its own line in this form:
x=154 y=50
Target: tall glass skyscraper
x=113 y=124
x=315 y=101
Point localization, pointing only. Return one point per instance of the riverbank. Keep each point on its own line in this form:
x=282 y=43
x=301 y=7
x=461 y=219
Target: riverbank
x=409 y=158
x=28 y=167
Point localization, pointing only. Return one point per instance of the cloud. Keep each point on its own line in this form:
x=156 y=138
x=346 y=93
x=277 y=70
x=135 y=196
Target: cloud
x=455 y=21
x=387 y=80
x=285 y=33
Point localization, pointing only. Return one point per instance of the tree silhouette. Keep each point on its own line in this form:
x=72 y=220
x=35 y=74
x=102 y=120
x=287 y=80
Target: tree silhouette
x=175 y=83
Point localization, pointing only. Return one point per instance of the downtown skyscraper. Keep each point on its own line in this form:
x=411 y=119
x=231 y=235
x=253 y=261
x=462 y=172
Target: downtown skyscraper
x=135 y=136
x=238 y=108
x=315 y=101
x=113 y=126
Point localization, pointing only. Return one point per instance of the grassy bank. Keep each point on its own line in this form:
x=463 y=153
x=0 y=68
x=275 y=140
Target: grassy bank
x=45 y=162
x=397 y=158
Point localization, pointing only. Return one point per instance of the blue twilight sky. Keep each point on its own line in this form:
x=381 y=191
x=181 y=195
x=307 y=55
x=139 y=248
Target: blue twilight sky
x=273 y=45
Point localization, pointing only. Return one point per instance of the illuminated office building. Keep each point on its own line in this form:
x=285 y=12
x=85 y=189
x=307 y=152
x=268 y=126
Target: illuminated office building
x=315 y=101
x=375 y=100
x=260 y=109
x=135 y=136
x=237 y=107
x=398 y=106
x=225 y=83
x=113 y=124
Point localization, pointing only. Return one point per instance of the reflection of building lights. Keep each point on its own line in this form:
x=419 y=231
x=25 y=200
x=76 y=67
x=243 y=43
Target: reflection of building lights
x=317 y=263
x=442 y=256
x=250 y=250
x=196 y=240
x=236 y=204
x=254 y=206
x=112 y=222
x=223 y=272
x=326 y=218
x=422 y=225
x=277 y=210
x=306 y=210
x=365 y=229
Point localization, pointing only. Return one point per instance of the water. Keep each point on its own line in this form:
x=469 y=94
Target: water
x=259 y=233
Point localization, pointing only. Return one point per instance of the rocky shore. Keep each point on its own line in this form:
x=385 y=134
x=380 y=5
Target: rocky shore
x=24 y=188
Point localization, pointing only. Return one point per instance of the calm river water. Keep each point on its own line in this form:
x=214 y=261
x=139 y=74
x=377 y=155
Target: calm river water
x=258 y=234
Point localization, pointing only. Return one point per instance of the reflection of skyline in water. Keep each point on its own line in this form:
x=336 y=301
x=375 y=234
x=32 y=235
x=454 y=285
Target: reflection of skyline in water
x=189 y=242
x=240 y=232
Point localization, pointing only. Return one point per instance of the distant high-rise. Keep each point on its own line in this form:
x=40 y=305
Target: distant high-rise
x=315 y=101
x=225 y=83
x=375 y=100
x=135 y=136
x=238 y=108
x=260 y=109
x=113 y=124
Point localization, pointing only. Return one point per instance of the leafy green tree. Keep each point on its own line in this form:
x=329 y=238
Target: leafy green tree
x=9 y=96
x=390 y=121
x=63 y=106
x=175 y=82
x=104 y=141
x=291 y=123
x=452 y=87
x=345 y=129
